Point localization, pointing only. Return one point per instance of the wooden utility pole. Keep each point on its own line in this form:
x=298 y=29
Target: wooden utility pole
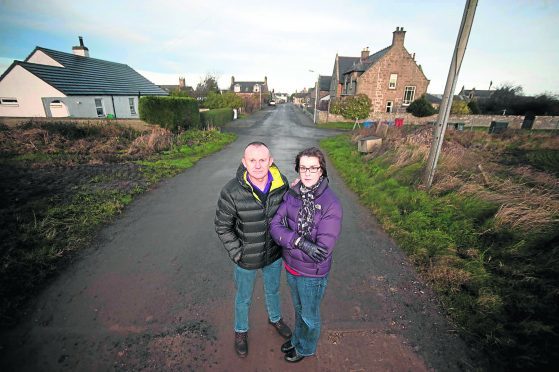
x=444 y=110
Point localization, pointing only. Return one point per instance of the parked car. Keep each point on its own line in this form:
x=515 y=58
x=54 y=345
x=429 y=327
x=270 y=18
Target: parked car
x=272 y=103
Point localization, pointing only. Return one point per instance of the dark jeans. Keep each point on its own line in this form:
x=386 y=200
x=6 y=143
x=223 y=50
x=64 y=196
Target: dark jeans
x=306 y=294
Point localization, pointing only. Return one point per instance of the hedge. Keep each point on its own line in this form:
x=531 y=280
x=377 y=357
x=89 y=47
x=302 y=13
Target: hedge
x=217 y=117
x=170 y=112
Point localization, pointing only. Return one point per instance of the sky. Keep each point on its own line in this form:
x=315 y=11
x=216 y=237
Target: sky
x=514 y=42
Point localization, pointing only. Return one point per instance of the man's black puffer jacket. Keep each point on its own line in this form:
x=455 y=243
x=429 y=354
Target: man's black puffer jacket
x=242 y=221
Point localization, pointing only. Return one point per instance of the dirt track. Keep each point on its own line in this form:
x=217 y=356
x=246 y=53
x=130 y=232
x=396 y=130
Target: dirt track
x=155 y=291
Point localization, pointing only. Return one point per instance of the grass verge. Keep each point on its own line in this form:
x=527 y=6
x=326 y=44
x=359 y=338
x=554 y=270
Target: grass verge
x=498 y=283
x=336 y=125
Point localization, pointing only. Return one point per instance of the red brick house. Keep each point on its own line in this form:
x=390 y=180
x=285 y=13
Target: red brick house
x=391 y=77
x=255 y=94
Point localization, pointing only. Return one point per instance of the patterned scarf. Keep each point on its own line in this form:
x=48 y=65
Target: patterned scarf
x=305 y=216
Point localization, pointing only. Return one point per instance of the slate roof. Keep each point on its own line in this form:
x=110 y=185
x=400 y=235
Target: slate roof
x=434 y=98
x=248 y=86
x=362 y=66
x=475 y=93
x=324 y=82
x=89 y=76
x=345 y=63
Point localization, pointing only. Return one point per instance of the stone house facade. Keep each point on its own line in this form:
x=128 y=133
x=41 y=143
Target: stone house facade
x=254 y=94
x=391 y=77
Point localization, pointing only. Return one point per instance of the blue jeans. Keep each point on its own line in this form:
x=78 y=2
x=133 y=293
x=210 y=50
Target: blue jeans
x=306 y=294
x=244 y=283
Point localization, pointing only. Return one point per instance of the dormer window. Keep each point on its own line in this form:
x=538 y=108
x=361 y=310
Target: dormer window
x=237 y=88
x=256 y=88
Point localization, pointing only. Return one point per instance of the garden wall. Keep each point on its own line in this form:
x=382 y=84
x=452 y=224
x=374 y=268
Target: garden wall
x=515 y=122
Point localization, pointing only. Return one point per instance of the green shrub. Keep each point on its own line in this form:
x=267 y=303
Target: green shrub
x=216 y=118
x=421 y=108
x=173 y=113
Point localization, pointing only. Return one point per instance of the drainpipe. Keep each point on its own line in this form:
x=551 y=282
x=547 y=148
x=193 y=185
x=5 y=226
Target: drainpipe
x=114 y=110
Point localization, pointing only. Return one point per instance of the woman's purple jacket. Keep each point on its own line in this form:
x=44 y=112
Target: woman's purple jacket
x=325 y=232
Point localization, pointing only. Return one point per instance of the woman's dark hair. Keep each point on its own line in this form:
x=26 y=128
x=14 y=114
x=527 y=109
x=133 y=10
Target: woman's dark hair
x=315 y=153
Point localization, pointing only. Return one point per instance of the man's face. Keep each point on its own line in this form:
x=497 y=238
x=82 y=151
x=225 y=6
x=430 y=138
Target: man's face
x=257 y=161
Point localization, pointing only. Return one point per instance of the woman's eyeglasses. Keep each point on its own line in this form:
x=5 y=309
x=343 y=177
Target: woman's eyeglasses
x=311 y=169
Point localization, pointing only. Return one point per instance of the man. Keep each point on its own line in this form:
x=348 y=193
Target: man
x=245 y=207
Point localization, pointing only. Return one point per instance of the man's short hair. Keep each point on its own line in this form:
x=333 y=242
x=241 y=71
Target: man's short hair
x=257 y=143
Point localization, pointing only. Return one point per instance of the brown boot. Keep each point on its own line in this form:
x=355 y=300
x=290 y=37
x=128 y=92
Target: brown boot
x=241 y=344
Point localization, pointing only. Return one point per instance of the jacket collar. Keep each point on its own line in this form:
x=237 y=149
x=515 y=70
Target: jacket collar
x=276 y=174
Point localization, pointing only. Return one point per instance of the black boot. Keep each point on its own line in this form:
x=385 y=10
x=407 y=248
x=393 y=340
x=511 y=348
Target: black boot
x=241 y=344
x=287 y=347
x=282 y=328
x=293 y=357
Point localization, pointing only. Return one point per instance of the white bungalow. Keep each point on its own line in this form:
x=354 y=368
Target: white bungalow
x=50 y=83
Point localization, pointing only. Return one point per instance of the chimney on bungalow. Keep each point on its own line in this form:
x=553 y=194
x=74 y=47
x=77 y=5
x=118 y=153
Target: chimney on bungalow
x=265 y=80
x=80 y=50
x=364 y=54
x=398 y=37
x=232 y=80
x=182 y=83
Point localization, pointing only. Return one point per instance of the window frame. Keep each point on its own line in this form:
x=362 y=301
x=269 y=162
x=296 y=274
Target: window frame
x=102 y=107
x=408 y=88
x=256 y=88
x=132 y=106
x=392 y=83
x=389 y=107
x=9 y=101
x=237 y=88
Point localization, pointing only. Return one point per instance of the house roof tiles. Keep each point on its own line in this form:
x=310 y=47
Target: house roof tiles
x=90 y=76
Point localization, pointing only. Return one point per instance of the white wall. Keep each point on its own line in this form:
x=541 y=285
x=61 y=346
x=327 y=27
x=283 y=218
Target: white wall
x=41 y=58
x=28 y=90
x=84 y=106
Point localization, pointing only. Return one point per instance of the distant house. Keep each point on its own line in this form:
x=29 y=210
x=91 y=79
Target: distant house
x=434 y=99
x=474 y=94
x=50 y=83
x=391 y=78
x=254 y=94
x=182 y=87
x=249 y=87
x=300 y=98
x=324 y=83
x=281 y=97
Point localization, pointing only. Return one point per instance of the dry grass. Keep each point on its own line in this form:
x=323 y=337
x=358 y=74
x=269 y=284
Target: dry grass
x=445 y=277
x=159 y=139
x=469 y=165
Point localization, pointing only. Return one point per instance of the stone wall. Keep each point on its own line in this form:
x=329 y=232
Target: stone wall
x=515 y=121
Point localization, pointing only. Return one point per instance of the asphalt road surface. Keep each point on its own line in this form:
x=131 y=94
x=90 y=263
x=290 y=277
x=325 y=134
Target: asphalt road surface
x=155 y=291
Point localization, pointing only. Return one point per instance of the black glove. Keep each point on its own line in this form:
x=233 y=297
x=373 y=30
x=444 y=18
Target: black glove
x=314 y=251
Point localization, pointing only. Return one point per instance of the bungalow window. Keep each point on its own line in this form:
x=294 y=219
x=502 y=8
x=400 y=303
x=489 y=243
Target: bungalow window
x=237 y=88
x=132 y=107
x=256 y=88
x=392 y=82
x=409 y=94
x=9 y=101
x=99 y=107
x=389 y=106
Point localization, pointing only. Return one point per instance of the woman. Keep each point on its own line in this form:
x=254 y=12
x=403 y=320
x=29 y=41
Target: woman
x=307 y=226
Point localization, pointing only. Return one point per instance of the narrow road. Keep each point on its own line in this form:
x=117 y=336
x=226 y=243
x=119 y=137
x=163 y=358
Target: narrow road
x=155 y=291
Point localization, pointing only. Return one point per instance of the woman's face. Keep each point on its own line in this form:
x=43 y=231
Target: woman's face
x=309 y=170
